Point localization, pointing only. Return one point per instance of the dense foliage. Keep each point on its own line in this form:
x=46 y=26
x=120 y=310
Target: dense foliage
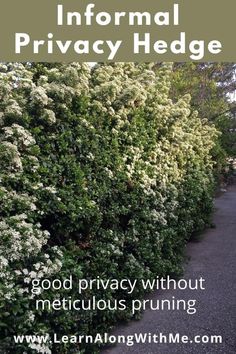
x=101 y=174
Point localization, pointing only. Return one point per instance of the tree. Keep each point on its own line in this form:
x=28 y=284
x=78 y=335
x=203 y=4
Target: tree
x=212 y=86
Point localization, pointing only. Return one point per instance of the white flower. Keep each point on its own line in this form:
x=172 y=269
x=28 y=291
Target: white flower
x=31 y=316
x=27 y=280
x=51 y=189
x=37 y=266
x=32 y=274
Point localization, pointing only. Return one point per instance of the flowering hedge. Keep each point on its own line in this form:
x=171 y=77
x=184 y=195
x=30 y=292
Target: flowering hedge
x=101 y=175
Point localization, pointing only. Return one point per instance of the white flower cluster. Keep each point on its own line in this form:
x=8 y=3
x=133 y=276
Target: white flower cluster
x=11 y=198
x=20 y=242
x=10 y=155
x=40 y=348
x=18 y=135
x=116 y=96
x=49 y=116
x=39 y=96
x=13 y=108
x=21 y=238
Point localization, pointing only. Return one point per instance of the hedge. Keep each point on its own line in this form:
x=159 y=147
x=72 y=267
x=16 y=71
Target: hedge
x=102 y=174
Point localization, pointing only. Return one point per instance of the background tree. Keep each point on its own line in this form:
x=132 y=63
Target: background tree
x=210 y=84
x=212 y=87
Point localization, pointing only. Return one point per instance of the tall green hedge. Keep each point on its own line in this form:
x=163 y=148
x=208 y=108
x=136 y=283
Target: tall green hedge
x=101 y=175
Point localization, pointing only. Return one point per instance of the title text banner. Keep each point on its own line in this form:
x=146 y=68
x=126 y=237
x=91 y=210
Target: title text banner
x=114 y=30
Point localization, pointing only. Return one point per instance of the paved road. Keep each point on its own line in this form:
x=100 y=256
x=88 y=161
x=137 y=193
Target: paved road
x=214 y=258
